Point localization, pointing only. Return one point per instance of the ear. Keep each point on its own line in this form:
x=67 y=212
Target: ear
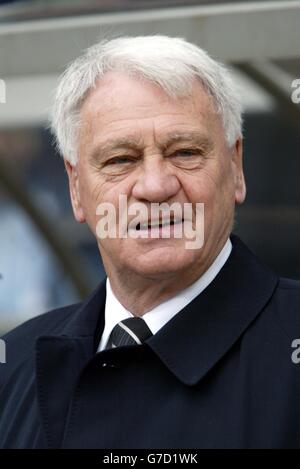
x=74 y=191
x=237 y=160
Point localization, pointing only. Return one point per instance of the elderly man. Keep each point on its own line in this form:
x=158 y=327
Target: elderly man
x=183 y=345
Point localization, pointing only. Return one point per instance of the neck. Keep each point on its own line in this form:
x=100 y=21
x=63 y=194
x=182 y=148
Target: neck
x=150 y=292
x=147 y=293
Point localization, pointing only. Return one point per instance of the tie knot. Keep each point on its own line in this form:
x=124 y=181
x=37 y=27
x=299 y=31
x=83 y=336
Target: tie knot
x=130 y=331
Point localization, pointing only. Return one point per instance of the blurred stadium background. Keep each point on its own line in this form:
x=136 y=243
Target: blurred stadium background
x=46 y=258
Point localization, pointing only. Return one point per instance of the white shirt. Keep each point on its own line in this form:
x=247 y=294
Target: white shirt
x=161 y=314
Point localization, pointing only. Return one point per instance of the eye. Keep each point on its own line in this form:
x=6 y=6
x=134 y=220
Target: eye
x=186 y=152
x=119 y=160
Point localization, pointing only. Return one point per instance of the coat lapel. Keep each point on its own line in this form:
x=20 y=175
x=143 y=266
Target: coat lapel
x=198 y=337
x=59 y=359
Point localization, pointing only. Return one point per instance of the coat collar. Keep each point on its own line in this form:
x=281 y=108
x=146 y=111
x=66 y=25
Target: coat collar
x=204 y=331
x=189 y=345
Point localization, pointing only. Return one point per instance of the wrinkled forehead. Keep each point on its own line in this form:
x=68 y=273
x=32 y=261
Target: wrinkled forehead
x=119 y=90
x=121 y=104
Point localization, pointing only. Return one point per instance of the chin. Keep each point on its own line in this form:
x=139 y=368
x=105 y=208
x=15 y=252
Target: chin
x=162 y=264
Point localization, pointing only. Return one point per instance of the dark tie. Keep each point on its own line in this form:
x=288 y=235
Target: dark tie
x=130 y=331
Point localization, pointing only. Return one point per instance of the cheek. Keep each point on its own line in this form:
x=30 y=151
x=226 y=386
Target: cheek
x=214 y=187
x=90 y=186
x=223 y=184
x=90 y=197
x=202 y=188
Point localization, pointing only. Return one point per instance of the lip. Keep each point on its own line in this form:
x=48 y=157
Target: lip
x=158 y=232
x=150 y=225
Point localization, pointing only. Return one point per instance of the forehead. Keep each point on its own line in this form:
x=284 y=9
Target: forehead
x=120 y=104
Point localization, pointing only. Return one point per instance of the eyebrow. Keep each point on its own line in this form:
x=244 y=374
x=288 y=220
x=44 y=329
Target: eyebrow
x=195 y=137
x=115 y=144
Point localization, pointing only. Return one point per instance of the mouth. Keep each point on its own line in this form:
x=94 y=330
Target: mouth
x=150 y=225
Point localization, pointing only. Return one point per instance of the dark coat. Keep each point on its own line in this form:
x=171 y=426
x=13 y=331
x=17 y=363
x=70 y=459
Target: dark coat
x=219 y=374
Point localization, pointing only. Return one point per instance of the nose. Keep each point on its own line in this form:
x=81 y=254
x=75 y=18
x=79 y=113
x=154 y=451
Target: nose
x=156 y=182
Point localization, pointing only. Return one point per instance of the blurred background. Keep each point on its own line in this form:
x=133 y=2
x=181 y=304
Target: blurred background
x=47 y=259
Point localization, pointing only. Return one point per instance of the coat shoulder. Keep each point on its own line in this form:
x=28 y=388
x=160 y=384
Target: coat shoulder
x=289 y=284
x=285 y=306
x=20 y=341
x=47 y=323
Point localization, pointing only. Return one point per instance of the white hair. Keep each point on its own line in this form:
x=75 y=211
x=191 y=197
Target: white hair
x=172 y=63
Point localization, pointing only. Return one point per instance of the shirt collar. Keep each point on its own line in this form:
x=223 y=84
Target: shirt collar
x=161 y=314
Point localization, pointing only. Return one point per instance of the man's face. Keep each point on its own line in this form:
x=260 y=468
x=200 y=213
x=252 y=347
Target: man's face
x=137 y=141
